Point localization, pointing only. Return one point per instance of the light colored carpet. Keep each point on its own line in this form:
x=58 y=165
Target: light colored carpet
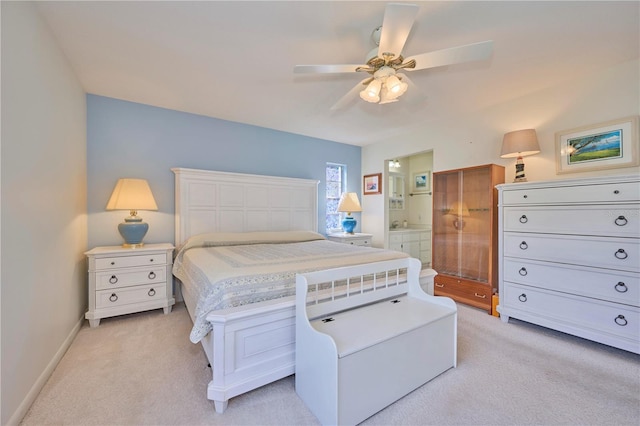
x=141 y=369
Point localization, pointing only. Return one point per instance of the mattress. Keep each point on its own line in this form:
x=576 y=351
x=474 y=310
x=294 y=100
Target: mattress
x=227 y=270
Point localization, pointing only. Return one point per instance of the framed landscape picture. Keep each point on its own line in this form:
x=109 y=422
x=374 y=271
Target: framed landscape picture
x=372 y=184
x=608 y=145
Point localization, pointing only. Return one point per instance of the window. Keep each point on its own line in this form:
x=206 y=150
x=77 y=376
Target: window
x=336 y=184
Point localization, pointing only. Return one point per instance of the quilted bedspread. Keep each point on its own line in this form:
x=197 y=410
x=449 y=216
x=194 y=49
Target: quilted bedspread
x=227 y=270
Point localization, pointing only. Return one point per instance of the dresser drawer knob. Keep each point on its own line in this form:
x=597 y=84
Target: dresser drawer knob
x=522 y=297
x=113 y=279
x=523 y=271
x=621 y=287
x=621 y=254
x=621 y=320
x=152 y=275
x=621 y=221
x=113 y=263
x=481 y=296
x=113 y=297
x=439 y=285
x=524 y=245
x=525 y=196
x=616 y=192
x=151 y=292
x=524 y=219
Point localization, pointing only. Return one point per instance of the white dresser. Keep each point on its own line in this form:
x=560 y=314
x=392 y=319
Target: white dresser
x=569 y=253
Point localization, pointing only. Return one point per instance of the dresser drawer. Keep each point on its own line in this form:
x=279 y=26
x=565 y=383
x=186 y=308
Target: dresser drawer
x=619 y=320
x=614 y=253
x=464 y=291
x=606 y=220
x=129 y=261
x=613 y=286
x=129 y=295
x=575 y=194
x=128 y=277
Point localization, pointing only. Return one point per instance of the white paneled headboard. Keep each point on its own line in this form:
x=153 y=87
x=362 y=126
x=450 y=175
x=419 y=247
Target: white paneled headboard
x=210 y=201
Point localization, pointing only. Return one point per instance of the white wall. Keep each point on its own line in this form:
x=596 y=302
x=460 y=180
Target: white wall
x=43 y=190
x=476 y=138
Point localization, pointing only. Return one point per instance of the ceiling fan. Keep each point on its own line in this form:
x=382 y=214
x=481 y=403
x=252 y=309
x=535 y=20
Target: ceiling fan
x=386 y=83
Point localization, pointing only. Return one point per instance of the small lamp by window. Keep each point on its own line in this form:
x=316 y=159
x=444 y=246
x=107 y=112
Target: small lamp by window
x=520 y=143
x=349 y=203
x=132 y=195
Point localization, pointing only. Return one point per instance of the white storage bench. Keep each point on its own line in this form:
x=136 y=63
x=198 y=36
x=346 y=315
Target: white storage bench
x=366 y=336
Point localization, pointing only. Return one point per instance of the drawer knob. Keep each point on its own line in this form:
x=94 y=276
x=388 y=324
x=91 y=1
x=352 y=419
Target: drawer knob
x=621 y=254
x=621 y=320
x=481 y=296
x=151 y=292
x=522 y=297
x=113 y=263
x=152 y=275
x=616 y=192
x=621 y=287
x=523 y=271
x=439 y=285
x=113 y=279
x=525 y=196
x=524 y=245
x=621 y=221
x=524 y=219
x=113 y=297
x=151 y=260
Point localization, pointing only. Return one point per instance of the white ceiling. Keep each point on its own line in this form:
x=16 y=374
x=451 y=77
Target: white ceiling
x=234 y=60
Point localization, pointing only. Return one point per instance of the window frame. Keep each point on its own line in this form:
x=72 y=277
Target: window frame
x=328 y=200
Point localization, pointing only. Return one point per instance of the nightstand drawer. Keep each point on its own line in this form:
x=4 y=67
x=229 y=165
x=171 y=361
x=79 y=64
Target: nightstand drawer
x=125 y=296
x=129 y=261
x=128 y=277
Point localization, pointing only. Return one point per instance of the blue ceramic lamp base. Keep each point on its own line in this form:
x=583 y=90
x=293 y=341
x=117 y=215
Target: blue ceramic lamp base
x=349 y=224
x=133 y=230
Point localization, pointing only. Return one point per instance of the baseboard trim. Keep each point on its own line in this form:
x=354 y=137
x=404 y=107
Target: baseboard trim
x=31 y=396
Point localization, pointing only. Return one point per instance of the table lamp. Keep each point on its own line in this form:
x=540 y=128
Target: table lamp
x=459 y=210
x=349 y=203
x=520 y=143
x=132 y=195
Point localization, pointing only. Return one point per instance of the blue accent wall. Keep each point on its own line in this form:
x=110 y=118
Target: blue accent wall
x=126 y=139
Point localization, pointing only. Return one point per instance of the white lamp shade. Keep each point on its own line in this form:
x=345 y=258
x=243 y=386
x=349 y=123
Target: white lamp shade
x=349 y=203
x=520 y=143
x=372 y=92
x=132 y=194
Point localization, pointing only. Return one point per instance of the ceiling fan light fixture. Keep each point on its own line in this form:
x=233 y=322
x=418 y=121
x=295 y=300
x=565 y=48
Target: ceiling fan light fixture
x=395 y=86
x=372 y=92
x=386 y=97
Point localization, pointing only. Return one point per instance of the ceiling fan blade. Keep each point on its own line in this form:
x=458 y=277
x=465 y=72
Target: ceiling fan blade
x=350 y=96
x=396 y=25
x=326 y=69
x=453 y=55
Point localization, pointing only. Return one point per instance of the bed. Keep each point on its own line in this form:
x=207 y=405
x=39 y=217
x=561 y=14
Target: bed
x=236 y=233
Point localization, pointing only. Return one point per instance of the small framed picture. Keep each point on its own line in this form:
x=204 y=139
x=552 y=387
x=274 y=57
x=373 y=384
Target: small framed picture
x=609 y=145
x=372 y=184
x=421 y=182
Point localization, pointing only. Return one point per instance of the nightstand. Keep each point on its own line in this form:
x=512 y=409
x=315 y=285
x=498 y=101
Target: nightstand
x=124 y=280
x=353 y=239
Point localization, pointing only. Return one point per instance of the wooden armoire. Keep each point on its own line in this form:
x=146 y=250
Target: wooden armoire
x=465 y=234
